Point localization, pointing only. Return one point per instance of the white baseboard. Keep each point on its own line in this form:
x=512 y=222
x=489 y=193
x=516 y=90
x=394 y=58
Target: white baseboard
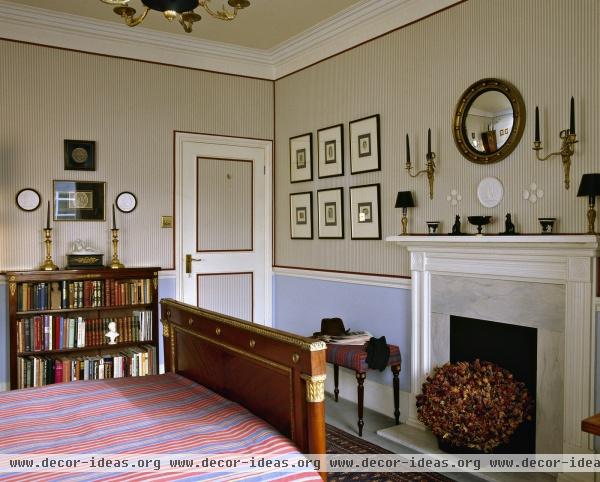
x=378 y=397
x=4 y=387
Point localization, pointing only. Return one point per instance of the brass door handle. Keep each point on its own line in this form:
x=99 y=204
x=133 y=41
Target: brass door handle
x=188 y=263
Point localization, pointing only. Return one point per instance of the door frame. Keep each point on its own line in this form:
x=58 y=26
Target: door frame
x=179 y=139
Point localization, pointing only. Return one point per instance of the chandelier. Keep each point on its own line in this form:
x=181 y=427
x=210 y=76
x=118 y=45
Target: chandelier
x=181 y=10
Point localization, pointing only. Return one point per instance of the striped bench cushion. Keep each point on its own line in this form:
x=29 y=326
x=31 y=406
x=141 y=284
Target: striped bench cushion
x=355 y=356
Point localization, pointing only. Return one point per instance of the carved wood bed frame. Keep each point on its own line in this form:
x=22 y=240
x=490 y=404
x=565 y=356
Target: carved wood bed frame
x=278 y=376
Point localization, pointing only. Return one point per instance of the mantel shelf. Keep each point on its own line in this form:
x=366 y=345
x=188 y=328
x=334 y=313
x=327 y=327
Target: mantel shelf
x=524 y=241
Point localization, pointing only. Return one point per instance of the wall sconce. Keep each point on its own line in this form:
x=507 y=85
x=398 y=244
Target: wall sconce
x=404 y=200
x=590 y=187
x=430 y=169
x=568 y=140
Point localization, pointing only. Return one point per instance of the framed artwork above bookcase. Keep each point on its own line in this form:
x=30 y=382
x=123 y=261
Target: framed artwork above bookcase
x=58 y=322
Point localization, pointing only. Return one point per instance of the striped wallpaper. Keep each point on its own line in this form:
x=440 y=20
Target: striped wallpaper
x=131 y=110
x=413 y=78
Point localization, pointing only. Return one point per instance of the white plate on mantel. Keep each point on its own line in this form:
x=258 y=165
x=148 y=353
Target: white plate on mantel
x=490 y=192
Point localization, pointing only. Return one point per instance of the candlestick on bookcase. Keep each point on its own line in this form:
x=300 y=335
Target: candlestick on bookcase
x=115 y=263
x=48 y=264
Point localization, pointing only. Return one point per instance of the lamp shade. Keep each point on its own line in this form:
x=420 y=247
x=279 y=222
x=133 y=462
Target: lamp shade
x=590 y=185
x=404 y=199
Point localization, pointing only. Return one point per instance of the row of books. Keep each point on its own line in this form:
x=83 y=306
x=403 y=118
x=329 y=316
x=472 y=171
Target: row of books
x=83 y=294
x=39 y=371
x=54 y=332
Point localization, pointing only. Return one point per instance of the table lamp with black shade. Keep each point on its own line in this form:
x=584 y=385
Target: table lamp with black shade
x=404 y=200
x=590 y=187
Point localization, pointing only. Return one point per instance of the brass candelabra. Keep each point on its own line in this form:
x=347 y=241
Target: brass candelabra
x=567 y=147
x=115 y=263
x=48 y=264
x=430 y=166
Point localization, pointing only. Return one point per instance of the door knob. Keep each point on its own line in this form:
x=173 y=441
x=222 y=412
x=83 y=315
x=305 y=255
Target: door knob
x=188 y=263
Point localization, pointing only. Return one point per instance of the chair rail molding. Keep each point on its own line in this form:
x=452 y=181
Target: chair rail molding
x=357 y=24
x=560 y=260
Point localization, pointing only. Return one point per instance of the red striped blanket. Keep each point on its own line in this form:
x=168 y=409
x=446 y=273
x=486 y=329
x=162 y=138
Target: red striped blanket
x=161 y=414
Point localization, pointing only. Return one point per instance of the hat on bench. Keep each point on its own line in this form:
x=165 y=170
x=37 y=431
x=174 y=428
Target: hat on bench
x=331 y=327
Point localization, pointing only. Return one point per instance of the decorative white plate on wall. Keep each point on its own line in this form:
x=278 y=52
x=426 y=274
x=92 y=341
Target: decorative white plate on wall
x=490 y=192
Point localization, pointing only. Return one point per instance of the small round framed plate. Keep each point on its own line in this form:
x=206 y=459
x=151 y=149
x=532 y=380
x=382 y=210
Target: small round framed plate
x=126 y=202
x=28 y=199
x=490 y=192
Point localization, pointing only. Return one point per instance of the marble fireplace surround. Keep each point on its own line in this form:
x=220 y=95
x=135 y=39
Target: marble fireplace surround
x=545 y=282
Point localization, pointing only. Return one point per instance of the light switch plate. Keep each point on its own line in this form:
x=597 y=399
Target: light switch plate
x=166 y=221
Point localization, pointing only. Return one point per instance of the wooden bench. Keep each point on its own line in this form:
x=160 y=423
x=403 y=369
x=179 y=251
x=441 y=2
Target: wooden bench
x=354 y=357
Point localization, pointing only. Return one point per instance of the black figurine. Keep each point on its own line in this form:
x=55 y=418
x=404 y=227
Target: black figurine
x=456 y=226
x=509 y=227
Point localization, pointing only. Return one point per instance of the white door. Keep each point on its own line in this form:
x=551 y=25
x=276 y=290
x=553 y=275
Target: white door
x=223 y=224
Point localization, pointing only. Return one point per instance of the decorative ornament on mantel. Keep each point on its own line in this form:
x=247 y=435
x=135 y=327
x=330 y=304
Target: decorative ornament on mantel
x=180 y=10
x=475 y=405
x=533 y=193
x=454 y=197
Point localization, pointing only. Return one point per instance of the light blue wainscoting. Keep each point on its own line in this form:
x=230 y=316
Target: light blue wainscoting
x=166 y=289
x=300 y=303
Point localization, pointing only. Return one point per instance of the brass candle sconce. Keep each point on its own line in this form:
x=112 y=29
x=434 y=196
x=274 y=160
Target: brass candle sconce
x=430 y=166
x=567 y=147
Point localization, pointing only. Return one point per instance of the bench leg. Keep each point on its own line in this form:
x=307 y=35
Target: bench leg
x=396 y=371
x=336 y=380
x=360 y=378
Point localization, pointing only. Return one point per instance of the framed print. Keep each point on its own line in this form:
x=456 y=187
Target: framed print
x=301 y=158
x=364 y=145
x=330 y=143
x=301 y=215
x=365 y=212
x=28 y=199
x=80 y=155
x=79 y=200
x=331 y=213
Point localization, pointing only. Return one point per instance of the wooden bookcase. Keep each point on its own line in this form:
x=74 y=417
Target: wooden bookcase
x=82 y=296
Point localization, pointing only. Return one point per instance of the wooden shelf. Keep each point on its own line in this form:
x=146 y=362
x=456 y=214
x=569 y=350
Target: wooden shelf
x=86 y=309
x=87 y=348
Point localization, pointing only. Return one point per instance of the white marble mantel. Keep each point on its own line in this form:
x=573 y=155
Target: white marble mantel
x=525 y=270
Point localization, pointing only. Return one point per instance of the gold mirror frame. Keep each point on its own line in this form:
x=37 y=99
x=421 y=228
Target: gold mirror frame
x=466 y=100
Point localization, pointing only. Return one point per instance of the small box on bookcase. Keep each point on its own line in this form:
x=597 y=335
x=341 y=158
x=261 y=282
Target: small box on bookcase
x=82 y=261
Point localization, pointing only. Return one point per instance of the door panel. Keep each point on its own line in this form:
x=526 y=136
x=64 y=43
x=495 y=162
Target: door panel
x=228 y=293
x=224 y=205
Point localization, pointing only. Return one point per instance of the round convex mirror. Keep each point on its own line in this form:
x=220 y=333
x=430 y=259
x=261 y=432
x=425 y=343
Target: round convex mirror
x=489 y=121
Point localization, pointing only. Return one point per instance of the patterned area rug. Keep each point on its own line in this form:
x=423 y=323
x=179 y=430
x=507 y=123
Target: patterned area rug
x=340 y=442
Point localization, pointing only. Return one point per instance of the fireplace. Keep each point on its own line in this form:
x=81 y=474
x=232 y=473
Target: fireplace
x=544 y=283
x=510 y=346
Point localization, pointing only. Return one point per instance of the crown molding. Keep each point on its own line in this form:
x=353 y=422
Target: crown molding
x=57 y=29
x=355 y=25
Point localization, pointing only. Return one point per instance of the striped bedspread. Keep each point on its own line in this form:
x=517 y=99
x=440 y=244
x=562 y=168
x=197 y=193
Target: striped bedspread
x=160 y=414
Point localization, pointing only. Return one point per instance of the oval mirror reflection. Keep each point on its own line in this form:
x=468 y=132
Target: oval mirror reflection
x=489 y=122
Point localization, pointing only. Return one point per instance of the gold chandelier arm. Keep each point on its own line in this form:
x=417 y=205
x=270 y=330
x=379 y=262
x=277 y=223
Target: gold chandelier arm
x=222 y=14
x=116 y=3
x=127 y=14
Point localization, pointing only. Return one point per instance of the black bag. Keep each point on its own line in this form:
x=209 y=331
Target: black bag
x=378 y=353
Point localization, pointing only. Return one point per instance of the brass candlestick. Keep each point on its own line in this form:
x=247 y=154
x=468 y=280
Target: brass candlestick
x=429 y=170
x=48 y=264
x=115 y=264
x=566 y=151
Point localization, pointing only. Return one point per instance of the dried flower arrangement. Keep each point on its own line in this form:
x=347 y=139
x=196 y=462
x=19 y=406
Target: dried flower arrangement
x=478 y=405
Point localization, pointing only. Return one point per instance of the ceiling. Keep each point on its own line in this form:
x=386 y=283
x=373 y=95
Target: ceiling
x=263 y=25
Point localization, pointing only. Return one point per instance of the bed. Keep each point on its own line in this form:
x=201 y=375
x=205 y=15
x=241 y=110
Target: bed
x=231 y=387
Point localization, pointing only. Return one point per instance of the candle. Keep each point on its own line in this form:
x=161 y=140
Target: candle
x=537 y=124
x=572 y=123
x=114 y=221
x=48 y=216
x=429 y=141
x=407 y=150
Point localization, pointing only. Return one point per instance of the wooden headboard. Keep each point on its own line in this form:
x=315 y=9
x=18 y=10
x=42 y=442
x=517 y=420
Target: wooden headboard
x=276 y=375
